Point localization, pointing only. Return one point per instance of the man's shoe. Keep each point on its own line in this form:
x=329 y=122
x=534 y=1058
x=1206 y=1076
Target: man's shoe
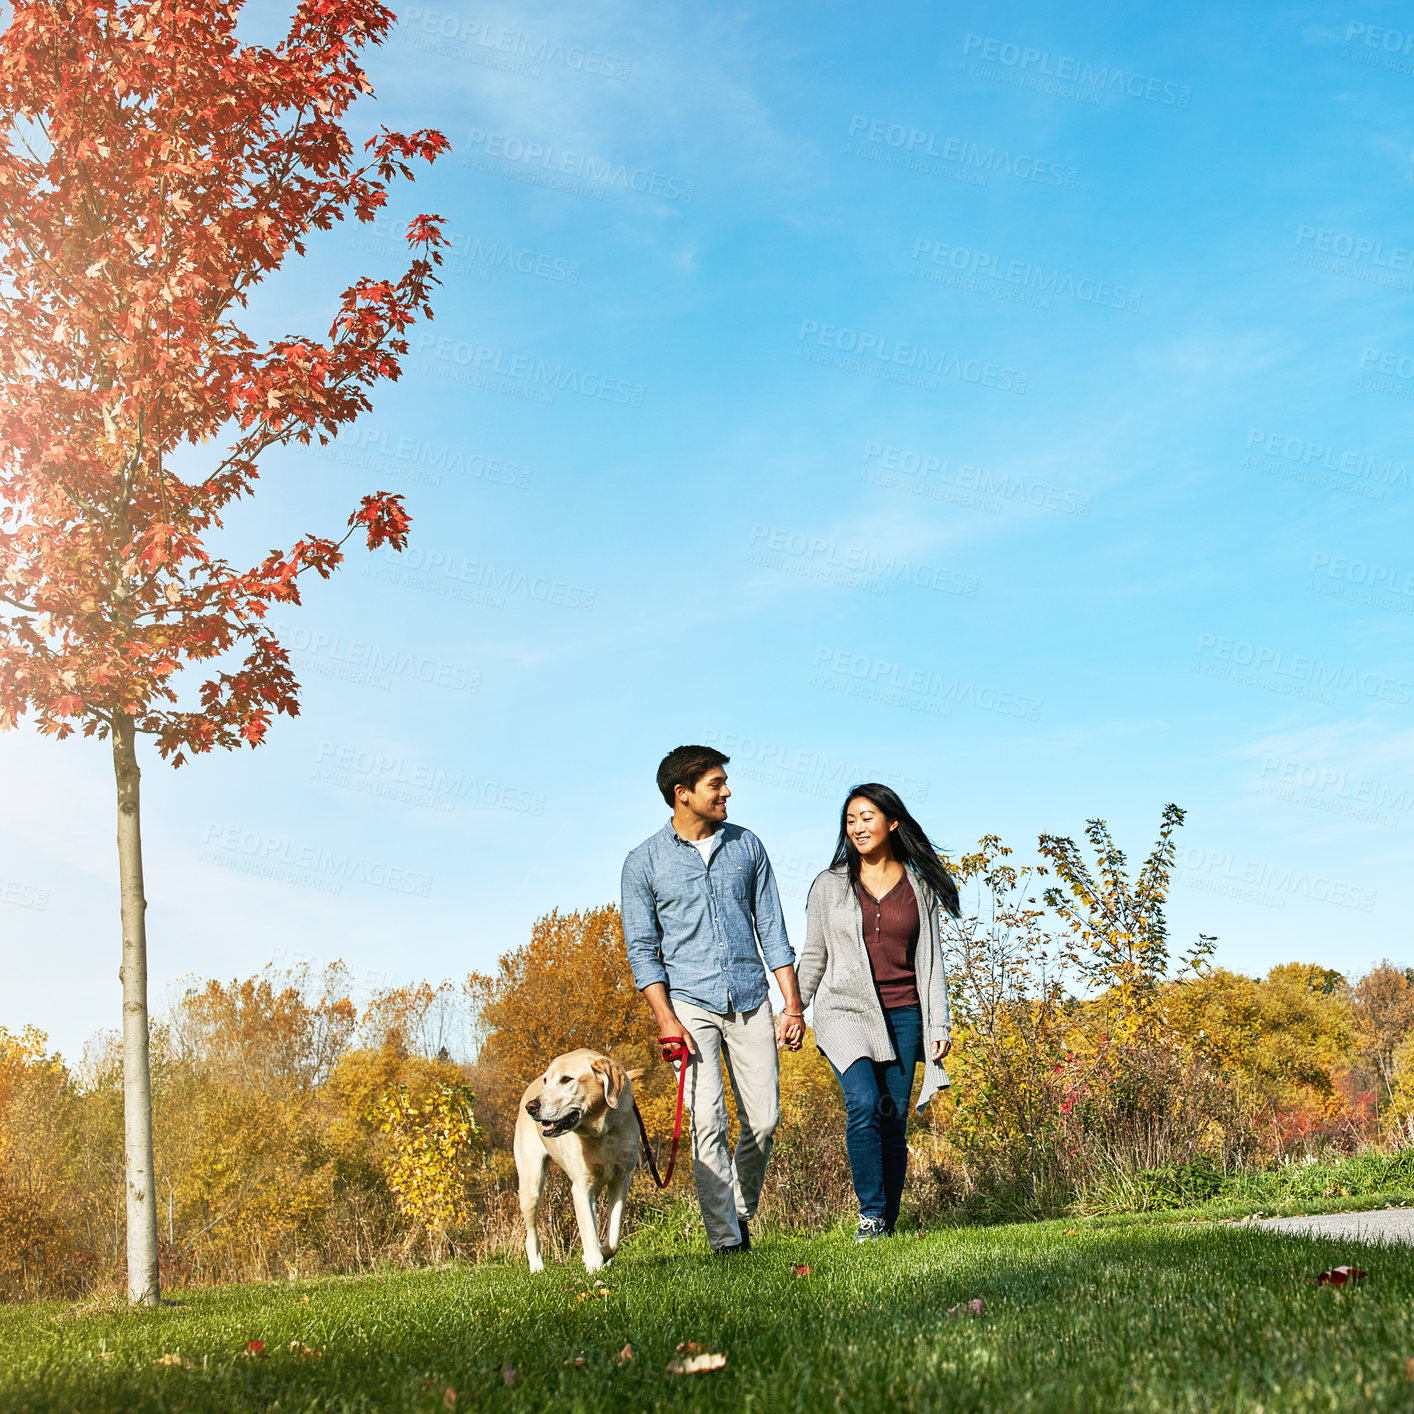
x=745 y=1234
x=731 y=1250
x=869 y=1230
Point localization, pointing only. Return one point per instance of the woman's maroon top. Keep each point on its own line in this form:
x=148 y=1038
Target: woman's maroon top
x=891 y=935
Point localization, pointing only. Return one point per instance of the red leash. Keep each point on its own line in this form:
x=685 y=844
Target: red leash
x=674 y=1049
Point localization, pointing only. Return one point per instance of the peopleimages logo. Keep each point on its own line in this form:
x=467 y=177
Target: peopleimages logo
x=21 y=895
x=1300 y=675
x=1363 y=573
x=535 y=373
x=1357 y=248
x=983 y=265
x=501 y=47
x=479 y=253
x=376 y=663
x=915 y=145
x=882 y=357
x=1377 y=47
x=860 y=675
x=1040 y=62
x=888 y=461
x=1302 y=459
x=499 y=580
x=836 y=773
x=1278 y=881
x=1336 y=792
x=365 y=446
x=380 y=773
x=582 y=166
x=249 y=851
x=859 y=560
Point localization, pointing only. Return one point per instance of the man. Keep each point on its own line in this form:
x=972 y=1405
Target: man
x=697 y=897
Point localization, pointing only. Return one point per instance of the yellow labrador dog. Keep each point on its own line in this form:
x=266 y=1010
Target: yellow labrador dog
x=580 y=1114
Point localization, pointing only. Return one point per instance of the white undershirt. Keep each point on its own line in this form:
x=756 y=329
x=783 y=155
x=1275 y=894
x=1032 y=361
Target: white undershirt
x=704 y=847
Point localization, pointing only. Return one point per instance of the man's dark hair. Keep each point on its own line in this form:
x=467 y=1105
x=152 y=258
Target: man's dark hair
x=685 y=766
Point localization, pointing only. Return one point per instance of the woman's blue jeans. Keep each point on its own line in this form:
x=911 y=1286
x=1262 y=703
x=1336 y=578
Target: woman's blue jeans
x=876 y=1096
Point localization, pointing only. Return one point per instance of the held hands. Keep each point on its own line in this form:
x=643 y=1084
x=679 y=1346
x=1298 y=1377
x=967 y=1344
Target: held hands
x=790 y=1030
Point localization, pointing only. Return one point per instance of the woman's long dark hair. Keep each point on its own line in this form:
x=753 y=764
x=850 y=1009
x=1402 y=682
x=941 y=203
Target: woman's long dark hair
x=909 y=843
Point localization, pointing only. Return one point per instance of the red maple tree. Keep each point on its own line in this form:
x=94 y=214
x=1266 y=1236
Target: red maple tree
x=153 y=170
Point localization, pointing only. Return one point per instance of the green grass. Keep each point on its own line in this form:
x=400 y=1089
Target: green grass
x=1157 y=1317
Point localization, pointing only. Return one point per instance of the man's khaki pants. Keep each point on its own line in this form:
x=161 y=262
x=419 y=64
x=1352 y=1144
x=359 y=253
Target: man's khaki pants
x=743 y=1045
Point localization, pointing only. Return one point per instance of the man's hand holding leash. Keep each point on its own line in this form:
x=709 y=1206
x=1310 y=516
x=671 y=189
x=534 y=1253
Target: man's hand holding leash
x=669 y=1027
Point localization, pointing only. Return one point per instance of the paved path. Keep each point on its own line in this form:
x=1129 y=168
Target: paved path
x=1386 y=1225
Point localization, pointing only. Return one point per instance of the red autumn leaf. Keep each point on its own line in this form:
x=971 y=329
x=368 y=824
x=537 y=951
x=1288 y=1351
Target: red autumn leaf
x=1338 y=1276
x=384 y=518
x=256 y=1349
x=798 y=1269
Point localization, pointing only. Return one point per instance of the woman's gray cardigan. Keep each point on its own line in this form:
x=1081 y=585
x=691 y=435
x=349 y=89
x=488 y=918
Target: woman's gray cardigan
x=835 y=974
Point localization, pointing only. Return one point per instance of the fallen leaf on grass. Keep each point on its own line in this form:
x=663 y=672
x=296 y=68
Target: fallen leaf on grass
x=696 y=1364
x=255 y=1350
x=296 y=1348
x=508 y=1374
x=799 y=1269
x=449 y=1398
x=577 y=1362
x=975 y=1307
x=1072 y=1232
x=303 y=1301
x=625 y=1355
x=1338 y=1276
x=171 y=1360
x=105 y=1354
x=1409 y=1367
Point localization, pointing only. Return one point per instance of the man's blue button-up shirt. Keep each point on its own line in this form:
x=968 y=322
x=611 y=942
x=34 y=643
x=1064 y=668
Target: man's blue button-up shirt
x=695 y=925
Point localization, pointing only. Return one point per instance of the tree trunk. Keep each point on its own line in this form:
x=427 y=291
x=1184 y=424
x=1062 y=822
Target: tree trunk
x=139 y=1182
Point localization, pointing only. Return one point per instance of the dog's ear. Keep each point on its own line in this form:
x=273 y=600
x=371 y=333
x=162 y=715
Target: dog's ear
x=612 y=1078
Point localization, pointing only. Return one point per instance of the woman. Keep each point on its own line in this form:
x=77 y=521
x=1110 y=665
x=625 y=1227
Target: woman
x=873 y=966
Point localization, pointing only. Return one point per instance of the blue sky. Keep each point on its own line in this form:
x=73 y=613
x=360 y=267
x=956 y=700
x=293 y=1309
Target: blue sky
x=1008 y=403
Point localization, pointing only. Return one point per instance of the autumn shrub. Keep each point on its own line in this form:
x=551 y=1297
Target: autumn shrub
x=1088 y=1066
x=39 y=1251
x=429 y=1166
